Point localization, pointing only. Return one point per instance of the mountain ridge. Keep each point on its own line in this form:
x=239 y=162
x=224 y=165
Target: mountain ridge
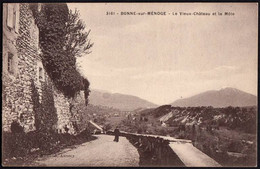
x=218 y=98
x=119 y=101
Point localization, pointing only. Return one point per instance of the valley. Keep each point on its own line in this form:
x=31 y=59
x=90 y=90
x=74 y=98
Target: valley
x=226 y=134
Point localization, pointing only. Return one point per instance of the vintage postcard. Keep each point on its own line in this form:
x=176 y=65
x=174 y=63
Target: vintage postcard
x=129 y=84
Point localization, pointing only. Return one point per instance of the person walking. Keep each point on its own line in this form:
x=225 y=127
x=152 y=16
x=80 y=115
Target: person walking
x=66 y=129
x=116 y=132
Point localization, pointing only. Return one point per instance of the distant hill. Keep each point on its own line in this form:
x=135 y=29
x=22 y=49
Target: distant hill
x=119 y=101
x=219 y=98
x=241 y=118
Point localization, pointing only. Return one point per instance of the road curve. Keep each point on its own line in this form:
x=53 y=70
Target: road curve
x=100 y=152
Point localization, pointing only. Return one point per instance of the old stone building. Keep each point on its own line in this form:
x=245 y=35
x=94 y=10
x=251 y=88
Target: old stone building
x=22 y=66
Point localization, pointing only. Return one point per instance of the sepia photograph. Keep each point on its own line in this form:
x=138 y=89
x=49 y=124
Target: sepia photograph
x=129 y=84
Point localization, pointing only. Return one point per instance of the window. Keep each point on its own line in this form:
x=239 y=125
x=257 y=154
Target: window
x=40 y=73
x=4 y=96
x=14 y=19
x=10 y=12
x=10 y=62
x=12 y=16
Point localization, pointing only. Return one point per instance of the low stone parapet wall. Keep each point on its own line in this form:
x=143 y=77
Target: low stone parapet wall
x=155 y=150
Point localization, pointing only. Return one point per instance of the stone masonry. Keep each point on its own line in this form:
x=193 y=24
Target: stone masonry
x=23 y=49
x=63 y=111
x=21 y=65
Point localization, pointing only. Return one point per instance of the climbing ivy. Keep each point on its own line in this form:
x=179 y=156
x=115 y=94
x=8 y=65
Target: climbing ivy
x=50 y=117
x=62 y=39
x=86 y=90
x=45 y=112
x=37 y=109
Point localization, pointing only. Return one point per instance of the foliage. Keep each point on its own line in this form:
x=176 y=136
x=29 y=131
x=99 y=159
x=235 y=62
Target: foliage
x=107 y=126
x=24 y=145
x=86 y=90
x=235 y=118
x=163 y=132
x=223 y=131
x=160 y=111
x=45 y=112
x=141 y=128
x=62 y=39
x=77 y=42
x=37 y=109
x=49 y=112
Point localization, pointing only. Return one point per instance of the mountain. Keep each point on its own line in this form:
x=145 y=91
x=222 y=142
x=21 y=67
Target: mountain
x=219 y=98
x=119 y=101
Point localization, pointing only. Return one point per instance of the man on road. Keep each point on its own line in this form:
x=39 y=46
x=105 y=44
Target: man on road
x=116 y=132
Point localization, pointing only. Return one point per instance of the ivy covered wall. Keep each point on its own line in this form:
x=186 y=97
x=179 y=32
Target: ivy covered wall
x=39 y=102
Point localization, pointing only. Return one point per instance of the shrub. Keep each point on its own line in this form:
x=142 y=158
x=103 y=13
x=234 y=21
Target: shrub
x=15 y=145
x=162 y=132
x=107 y=126
x=46 y=141
x=85 y=133
x=139 y=130
x=16 y=127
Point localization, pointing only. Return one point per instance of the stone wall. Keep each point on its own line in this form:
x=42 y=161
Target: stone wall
x=78 y=113
x=63 y=111
x=69 y=112
x=154 y=150
x=23 y=43
x=17 y=85
x=164 y=151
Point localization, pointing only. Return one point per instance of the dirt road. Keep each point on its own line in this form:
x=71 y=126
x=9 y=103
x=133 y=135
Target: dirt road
x=100 y=152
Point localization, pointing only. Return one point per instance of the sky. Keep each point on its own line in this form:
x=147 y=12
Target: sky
x=164 y=58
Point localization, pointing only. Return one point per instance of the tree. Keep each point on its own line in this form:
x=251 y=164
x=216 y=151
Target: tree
x=77 y=42
x=62 y=39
